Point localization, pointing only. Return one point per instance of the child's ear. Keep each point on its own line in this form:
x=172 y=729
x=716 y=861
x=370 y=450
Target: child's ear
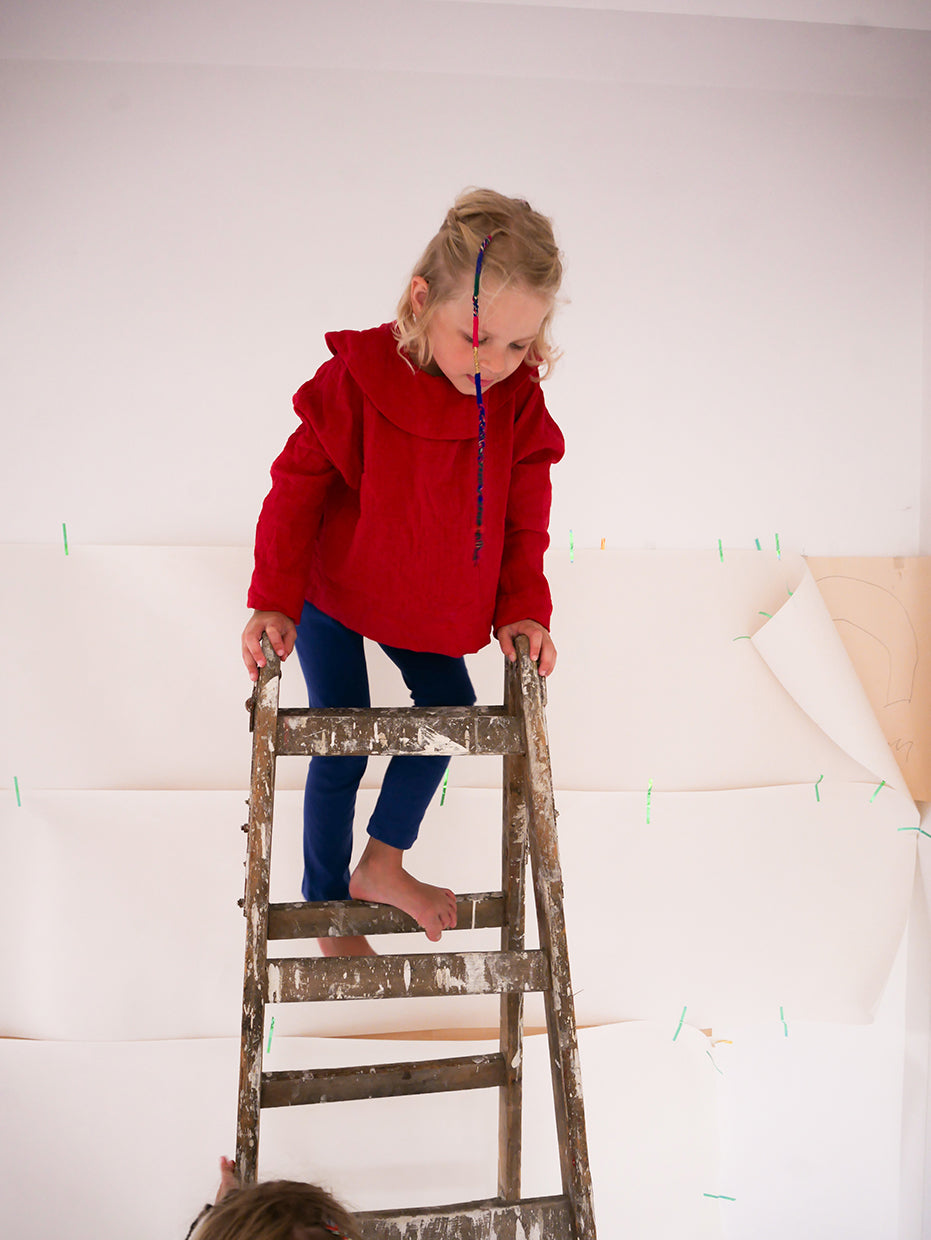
x=419 y=290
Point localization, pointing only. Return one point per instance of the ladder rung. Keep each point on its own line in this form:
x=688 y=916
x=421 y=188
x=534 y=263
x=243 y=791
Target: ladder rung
x=451 y=730
x=388 y=1080
x=405 y=977
x=473 y=1220
x=476 y=911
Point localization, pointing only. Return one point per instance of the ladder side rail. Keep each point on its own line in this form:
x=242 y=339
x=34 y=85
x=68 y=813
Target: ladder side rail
x=511 y=1016
x=255 y=909
x=558 y=1000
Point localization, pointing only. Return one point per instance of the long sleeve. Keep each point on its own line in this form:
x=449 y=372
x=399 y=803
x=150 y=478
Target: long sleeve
x=523 y=592
x=323 y=455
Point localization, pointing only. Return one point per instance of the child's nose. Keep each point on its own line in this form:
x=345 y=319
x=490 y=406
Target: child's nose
x=491 y=359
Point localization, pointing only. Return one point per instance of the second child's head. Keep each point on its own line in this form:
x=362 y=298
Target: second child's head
x=278 y=1210
x=521 y=274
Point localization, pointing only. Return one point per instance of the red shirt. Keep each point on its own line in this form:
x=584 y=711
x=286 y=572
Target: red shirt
x=371 y=515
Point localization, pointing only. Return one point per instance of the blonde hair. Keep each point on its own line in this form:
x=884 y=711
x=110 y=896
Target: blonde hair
x=277 y=1210
x=522 y=253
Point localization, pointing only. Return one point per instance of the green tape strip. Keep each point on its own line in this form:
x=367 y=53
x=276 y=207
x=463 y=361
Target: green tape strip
x=16 y=790
x=64 y=534
x=718 y=1197
x=571 y=548
x=721 y=550
x=817 y=793
x=759 y=545
x=445 y=782
x=778 y=548
x=649 y=798
x=882 y=785
x=785 y=1027
x=920 y=830
x=679 y=1026
x=271 y=1030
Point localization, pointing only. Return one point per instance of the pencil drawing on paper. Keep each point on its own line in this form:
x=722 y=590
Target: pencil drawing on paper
x=877 y=612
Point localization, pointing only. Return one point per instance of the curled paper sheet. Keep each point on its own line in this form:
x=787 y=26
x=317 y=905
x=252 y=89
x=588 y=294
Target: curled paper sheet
x=780 y=875
x=801 y=647
x=882 y=610
x=660 y=676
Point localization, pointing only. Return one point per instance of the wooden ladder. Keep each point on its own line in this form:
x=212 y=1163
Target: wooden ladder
x=516 y=730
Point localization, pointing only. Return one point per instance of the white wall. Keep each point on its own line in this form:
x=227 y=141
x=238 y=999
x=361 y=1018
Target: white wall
x=195 y=193
x=742 y=205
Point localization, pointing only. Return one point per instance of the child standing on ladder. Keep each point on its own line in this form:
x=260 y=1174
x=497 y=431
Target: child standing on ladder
x=411 y=506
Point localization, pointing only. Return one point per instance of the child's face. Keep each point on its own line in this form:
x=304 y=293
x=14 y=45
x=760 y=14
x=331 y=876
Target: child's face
x=508 y=322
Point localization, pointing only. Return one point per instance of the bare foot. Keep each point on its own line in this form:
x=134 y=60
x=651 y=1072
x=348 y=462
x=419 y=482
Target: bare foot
x=379 y=877
x=346 y=945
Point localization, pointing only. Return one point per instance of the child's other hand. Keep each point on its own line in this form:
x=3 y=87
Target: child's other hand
x=229 y=1178
x=281 y=631
x=541 y=644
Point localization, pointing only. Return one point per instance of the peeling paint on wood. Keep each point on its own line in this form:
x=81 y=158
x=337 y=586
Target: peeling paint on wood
x=453 y=730
x=542 y=1218
x=511 y=1017
x=321 y=979
x=255 y=908
x=431 y=741
x=558 y=1003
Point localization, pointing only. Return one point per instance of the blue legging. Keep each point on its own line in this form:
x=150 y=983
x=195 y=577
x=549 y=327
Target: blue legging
x=332 y=659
